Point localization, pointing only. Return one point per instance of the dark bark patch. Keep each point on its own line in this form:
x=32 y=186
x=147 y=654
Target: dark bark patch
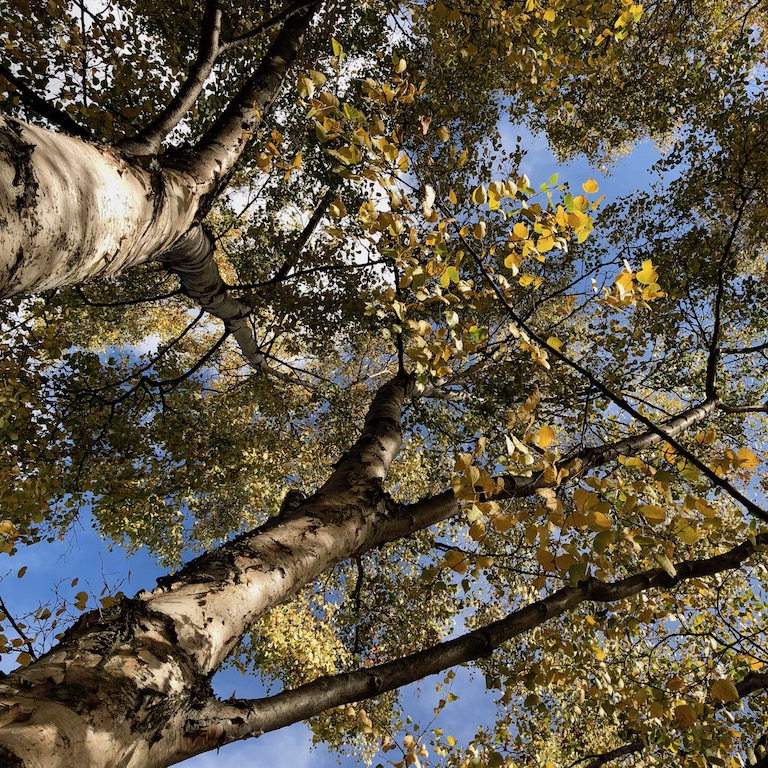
x=20 y=152
x=9 y=759
x=7 y=283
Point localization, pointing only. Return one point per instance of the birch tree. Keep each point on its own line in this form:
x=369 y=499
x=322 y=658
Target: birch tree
x=391 y=384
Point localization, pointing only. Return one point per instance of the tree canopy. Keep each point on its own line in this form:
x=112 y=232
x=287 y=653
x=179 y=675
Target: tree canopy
x=578 y=505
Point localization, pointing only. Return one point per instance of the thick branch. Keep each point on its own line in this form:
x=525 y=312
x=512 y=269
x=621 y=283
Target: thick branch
x=754 y=681
x=220 y=148
x=347 y=516
x=238 y=720
x=148 y=140
x=191 y=258
x=518 y=486
x=743 y=408
x=745 y=350
x=598 y=760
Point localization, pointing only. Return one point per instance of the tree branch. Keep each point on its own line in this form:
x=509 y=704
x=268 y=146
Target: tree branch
x=259 y=29
x=241 y=719
x=615 y=398
x=518 y=486
x=43 y=108
x=301 y=241
x=148 y=140
x=191 y=258
x=18 y=630
x=714 y=346
x=598 y=760
x=219 y=149
x=743 y=408
x=745 y=350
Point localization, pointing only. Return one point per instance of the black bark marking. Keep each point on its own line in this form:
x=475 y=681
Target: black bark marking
x=9 y=759
x=20 y=153
x=18 y=260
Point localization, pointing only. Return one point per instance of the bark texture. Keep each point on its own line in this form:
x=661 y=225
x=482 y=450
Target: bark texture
x=71 y=211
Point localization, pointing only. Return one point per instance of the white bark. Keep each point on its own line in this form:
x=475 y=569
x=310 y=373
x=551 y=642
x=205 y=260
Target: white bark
x=71 y=211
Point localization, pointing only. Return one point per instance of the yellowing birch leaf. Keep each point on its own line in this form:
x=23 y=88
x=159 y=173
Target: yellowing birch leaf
x=685 y=716
x=747 y=459
x=456 y=561
x=479 y=195
x=655 y=515
x=502 y=522
x=647 y=273
x=724 y=690
x=598 y=521
x=463 y=461
x=590 y=186
x=305 y=86
x=544 y=437
x=520 y=230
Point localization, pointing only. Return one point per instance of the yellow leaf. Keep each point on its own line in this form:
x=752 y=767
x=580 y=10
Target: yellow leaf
x=652 y=513
x=544 y=437
x=584 y=499
x=463 y=462
x=477 y=530
x=549 y=14
x=624 y=281
x=337 y=209
x=747 y=459
x=520 y=230
x=555 y=343
x=685 y=716
x=502 y=522
x=545 y=244
x=456 y=561
x=647 y=275
x=590 y=186
x=479 y=195
x=479 y=231
x=724 y=690
x=452 y=197
x=24 y=659
x=305 y=86
x=514 y=262
x=443 y=133
x=598 y=521
x=565 y=561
